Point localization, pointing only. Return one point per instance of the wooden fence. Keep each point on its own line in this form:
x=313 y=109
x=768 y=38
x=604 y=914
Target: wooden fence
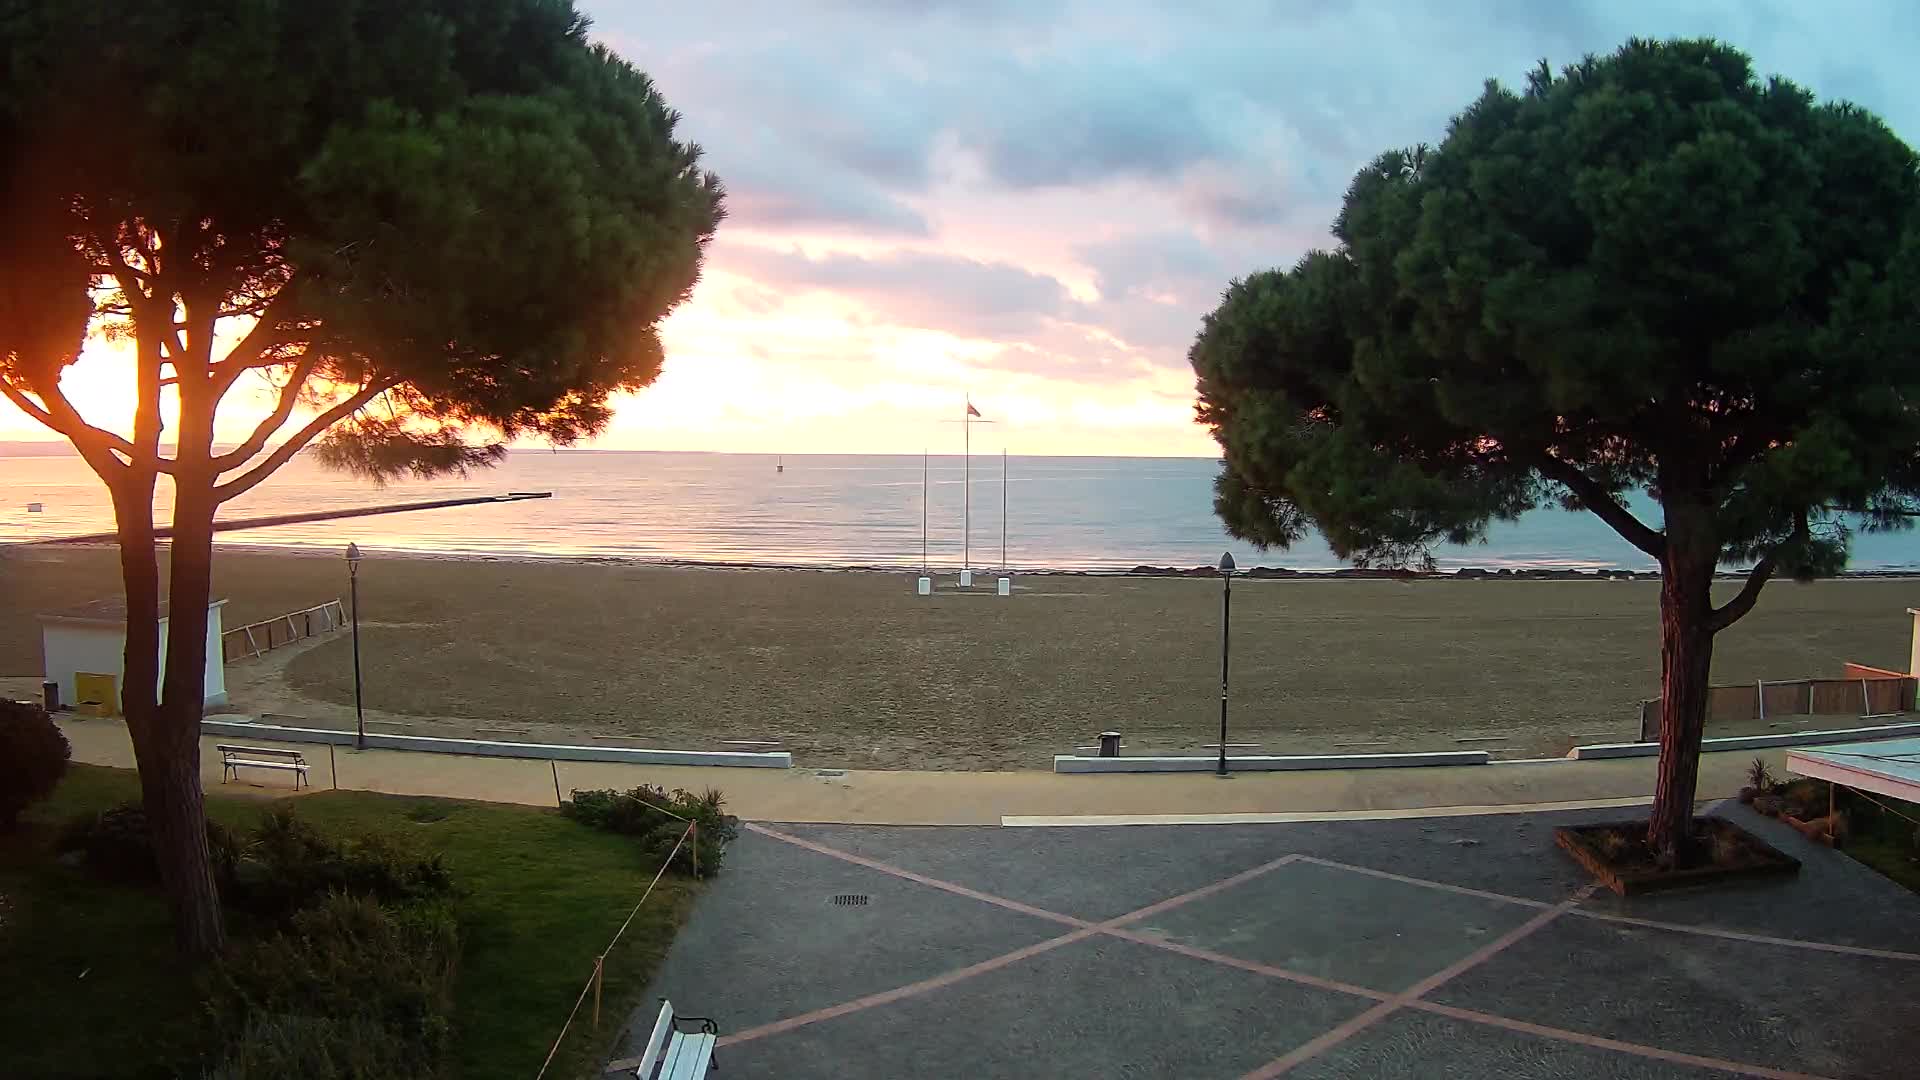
x=1862 y=692
x=256 y=638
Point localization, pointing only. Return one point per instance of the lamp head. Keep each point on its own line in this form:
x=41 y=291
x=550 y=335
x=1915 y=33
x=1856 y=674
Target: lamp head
x=353 y=555
x=1226 y=562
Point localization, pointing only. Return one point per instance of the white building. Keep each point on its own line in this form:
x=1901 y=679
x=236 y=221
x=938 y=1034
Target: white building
x=92 y=640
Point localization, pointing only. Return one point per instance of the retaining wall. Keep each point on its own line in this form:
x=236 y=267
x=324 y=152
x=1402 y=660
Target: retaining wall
x=490 y=748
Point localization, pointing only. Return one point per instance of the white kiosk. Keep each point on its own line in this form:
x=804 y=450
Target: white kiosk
x=85 y=648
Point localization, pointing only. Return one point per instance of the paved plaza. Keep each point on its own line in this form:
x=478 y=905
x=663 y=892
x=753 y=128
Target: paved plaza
x=1444 y=947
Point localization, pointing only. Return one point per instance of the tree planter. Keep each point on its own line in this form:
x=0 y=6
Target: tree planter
x=1617 y=854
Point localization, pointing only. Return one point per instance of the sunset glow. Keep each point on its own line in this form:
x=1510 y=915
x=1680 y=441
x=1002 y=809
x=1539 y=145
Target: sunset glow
x=1034 y=206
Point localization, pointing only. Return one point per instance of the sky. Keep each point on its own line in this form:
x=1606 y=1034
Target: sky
x=1034 y=203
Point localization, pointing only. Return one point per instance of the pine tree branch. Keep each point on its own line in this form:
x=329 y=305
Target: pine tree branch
x=1599 y=500
x=96 y=445
x=254 y=443
x=1730 y=612
x=246 y=353
x=1733 y=610
x=138 y=298
x=284 y=452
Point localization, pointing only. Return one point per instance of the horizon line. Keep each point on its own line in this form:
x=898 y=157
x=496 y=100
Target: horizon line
x=63 y=448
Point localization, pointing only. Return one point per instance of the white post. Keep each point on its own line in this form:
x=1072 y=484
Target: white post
x=966 y=497
x=924 y=586
x=1913 y=655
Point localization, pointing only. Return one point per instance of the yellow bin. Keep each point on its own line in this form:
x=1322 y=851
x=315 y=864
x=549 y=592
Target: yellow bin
x=95 y=695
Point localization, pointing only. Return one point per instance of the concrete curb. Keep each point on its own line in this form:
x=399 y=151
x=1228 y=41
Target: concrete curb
x=1069 y=763
x=1288 y=817
x=625 y=755
x=1600 y=751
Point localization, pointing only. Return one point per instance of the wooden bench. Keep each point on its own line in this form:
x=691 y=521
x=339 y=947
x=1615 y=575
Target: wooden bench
x=234 y=758
x=673 y=1054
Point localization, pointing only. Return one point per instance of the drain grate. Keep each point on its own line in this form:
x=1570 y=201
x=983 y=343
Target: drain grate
x=850 y=900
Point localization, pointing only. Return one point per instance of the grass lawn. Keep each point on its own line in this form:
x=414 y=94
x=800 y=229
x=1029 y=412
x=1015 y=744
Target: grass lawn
x=93 y=987
x=1883 y=836
x=1890 y=856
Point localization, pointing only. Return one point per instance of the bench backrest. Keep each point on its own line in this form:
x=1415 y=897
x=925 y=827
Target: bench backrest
x=231 y=750
x=662 y=1031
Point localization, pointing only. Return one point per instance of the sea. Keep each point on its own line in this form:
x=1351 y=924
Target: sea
x=812 y=510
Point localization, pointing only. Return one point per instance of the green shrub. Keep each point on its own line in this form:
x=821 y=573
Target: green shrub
x=33 y=758
x=311 y=1046
x=289 y=864
x=117 y=843
x=1805 y=798
x=350 y=989
x=284 y=865
x=643 y=812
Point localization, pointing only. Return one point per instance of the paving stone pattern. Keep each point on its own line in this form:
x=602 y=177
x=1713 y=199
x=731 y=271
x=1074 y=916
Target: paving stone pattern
x=1458 y=947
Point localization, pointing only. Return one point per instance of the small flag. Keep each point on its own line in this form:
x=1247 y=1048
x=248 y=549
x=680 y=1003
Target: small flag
x=971 y=411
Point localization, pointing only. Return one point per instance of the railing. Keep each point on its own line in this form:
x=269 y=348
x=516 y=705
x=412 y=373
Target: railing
x=265 y=636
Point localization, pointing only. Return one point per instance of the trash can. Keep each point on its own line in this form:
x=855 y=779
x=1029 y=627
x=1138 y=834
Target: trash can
x=50 y=696
x=1109 y=744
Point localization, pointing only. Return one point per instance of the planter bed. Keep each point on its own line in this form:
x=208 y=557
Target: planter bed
x=1617 y=855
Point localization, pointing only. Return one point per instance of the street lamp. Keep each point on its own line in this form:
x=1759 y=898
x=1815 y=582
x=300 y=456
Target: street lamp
x=1226 y=629
x=353 y=588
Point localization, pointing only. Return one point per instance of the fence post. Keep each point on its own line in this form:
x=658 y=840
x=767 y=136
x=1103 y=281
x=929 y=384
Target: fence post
x=693 y=833
x=555 y=766
x=333 y=771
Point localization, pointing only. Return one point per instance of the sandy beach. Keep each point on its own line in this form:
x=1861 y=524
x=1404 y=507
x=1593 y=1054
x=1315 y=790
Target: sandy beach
x=854 y=670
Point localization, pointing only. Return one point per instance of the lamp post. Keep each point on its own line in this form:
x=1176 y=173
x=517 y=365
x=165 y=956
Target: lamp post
x=1226 y=630
x=353 y=589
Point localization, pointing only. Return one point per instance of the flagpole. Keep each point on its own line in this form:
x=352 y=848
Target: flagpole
x=923 y=510
x=966 y=485
x=1003 y=510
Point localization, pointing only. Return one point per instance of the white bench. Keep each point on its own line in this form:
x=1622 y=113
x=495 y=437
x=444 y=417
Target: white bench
x=234 y=758
x=673 y=1054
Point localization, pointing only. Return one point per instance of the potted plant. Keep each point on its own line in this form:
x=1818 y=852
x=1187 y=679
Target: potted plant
x=1759 y=781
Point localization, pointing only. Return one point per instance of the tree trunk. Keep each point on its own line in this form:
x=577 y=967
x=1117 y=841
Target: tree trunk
x=166 y=740
x=1686 y=663
x=176 y=818
x=181 y=846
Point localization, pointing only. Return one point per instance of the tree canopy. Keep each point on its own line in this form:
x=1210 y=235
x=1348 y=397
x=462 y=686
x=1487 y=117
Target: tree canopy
x=458 y=207
x=430 y=226
x=1653 y=271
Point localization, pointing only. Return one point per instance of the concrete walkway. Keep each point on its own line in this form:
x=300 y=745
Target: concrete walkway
x=855 y=797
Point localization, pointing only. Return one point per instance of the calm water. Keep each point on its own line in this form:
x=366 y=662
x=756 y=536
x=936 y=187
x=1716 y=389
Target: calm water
x=1062 y=513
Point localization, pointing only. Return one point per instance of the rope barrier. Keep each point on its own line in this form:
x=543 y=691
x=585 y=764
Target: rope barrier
x=1883 y=806
x=594 y=979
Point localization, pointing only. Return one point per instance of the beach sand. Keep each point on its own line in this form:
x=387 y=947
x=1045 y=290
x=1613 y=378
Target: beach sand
x=854 y=670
